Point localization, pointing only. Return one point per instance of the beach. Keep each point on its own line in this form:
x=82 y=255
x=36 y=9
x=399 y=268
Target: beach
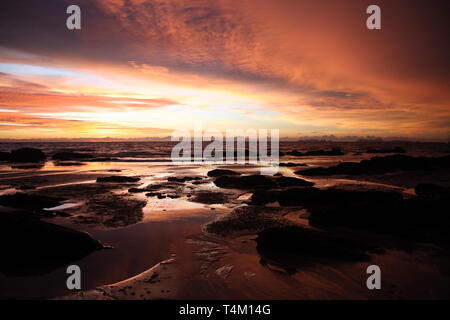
x=140 y=226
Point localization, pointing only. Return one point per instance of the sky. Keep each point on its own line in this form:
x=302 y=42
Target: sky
x=141 y=68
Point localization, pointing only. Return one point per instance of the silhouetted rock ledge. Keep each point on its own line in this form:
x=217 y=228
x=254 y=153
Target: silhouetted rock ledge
x=118 y=179
x=380 y=165
x=31 y=202
x=66 y=155
x=253 y=182
x=421 y=218
x=183 y=179
x=23 y=155
x=337 y=207
x=291 y=164
x=293 y=248
x=332 y=152
x=222 y=172
x=430 y=189
x=68 y=163
x=33 y=247
x=393 y=150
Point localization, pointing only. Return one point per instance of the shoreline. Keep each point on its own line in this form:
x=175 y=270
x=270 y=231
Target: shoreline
x=152 y=212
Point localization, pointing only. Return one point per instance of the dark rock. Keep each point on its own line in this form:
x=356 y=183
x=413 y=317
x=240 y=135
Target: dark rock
x=393 y=150
x=26 y=187
x=208 y=197
x=293 y=248
x=118 y=179
x=68 y=163
x=26 y=155
x=284 y=182
x=291 y=164
x=4 y=156
x=358 y=209
x=254 y=182
x=28 y=166
x=152 y=194
x=184 y=179
x=222 y=172
x=200 y=182
x=332 y=152
x=245 y=182
x=137 y=190
x=429 y=189
x=30 y=202
x=427 y=212
x=262 y=197
x=33 y=247
x=380 y=165
x=67 y=155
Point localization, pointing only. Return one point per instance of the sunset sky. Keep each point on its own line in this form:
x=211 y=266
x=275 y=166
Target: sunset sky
x=142 y=68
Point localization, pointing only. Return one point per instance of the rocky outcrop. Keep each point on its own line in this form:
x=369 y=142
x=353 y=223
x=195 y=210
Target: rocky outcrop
x=118 y=179
x=393 y=150
x=380 y=165
x=257 y=182
x=33 y=247
x=292 y=248
x=67 y=155
x=25 y=155
x=222 y=172
x=31 y=202
x=332 y=152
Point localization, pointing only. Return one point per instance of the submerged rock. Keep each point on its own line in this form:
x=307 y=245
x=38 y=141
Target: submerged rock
x=184 y=179
x=33 y=247
x=247 y=219
x=118 y=179
x=208 y=197
x=111 y=210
